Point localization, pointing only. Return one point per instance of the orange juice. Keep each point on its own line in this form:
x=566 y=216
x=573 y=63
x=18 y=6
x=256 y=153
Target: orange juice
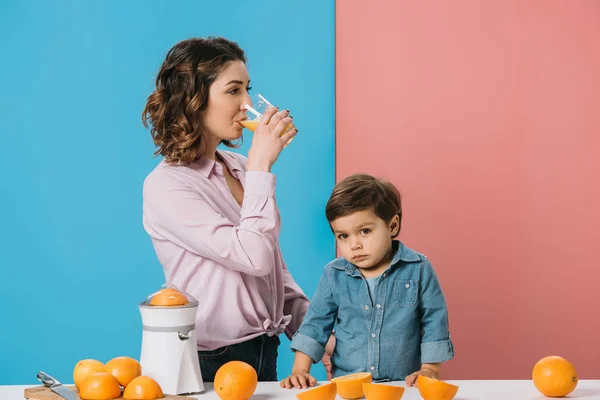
x=253 y=124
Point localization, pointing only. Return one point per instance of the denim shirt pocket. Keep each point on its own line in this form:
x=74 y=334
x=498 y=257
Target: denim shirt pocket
x=405 y=293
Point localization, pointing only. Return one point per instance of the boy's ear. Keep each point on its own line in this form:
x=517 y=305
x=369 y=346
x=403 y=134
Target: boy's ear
x=394 y=225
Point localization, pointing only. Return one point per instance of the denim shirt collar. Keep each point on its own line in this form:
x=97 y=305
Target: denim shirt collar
x=402 y=253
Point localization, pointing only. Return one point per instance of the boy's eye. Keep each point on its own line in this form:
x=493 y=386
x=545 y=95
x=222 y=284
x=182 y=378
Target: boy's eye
x=365 y=231
x=342 y=236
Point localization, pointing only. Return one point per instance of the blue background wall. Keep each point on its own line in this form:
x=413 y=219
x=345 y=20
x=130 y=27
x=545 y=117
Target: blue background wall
x=75 y=76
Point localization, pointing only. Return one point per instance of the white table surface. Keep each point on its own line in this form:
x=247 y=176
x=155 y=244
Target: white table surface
x=468 y=390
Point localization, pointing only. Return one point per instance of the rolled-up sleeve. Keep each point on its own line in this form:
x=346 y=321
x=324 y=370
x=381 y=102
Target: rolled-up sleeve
x=318 y=322
x=436 y=345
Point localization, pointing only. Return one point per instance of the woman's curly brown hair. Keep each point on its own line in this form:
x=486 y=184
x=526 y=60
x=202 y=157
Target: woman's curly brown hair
x=181 y=94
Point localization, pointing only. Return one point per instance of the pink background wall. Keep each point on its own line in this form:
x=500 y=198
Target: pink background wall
x=487 y=117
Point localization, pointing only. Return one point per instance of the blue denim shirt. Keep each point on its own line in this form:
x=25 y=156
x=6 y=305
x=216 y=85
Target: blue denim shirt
x=405 y=325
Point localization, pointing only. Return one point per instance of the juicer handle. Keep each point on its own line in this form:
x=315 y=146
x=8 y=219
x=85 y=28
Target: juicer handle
x=47 y=380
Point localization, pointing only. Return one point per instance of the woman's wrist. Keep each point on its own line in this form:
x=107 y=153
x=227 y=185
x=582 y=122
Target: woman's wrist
x=258 y=167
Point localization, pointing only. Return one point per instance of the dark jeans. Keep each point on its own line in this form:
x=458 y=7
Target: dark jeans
x=260 y=352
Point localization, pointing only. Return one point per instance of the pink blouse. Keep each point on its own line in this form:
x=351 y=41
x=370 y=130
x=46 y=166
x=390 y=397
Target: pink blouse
x=225 y=255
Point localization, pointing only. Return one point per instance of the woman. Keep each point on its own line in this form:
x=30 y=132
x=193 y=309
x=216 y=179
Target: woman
x=212 y=214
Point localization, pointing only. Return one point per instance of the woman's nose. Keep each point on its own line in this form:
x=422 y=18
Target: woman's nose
x=245 y=101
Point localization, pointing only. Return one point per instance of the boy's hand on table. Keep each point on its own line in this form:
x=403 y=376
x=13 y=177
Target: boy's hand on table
x=431 y=371
x=298 y=380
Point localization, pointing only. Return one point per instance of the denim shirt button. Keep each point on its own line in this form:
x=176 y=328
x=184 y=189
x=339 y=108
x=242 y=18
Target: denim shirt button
x=372 y=368
x=407 y=285
x=378 y=305
x=373 y=335
x=366 y=307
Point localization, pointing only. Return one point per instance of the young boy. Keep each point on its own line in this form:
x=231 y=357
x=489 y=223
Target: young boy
x=383 y=298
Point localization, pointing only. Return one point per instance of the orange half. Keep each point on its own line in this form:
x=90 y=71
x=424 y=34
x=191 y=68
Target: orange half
x=351 y=386
x=434 y=389
x=377 y=391
x=169 y=297
x=324 y=392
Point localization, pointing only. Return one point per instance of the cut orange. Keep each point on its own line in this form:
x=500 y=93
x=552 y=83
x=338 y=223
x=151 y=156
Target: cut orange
x=100 y=386
x=377 y=391
x=169 y=297
x=434 y=389
x=554 y=376
x=235 y=380
x=84 y=368
x=124 y=369
x=143 y=388
x=350 y=386
x=324 y=392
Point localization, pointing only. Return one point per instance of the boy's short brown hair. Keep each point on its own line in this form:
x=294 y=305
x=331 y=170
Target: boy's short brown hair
x=360 y=192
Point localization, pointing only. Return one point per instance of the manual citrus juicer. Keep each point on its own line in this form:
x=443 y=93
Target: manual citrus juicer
x=169 y=354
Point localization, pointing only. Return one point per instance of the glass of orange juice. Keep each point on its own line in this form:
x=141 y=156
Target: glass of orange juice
x=255 y=111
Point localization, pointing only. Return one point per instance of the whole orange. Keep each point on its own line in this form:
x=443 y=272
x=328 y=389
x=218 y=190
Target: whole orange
x=84 y=368
x=235 y=380
x=143 y=388
x=554 y=376
x=124 y=369
x=100 y=386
